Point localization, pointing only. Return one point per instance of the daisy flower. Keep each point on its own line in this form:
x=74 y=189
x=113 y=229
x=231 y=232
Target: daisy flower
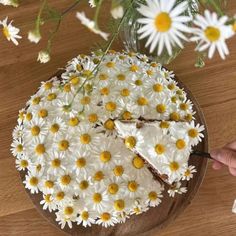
x=32 y=183
x=17 y=148
x=13 y=3
x=91 y=25
x=212 y=33
x=18 y=132
x=165 y=24
x=106 y=219
x=138 y=208
x=48 y=202
x=154 y=195
x=60 y=196
x=57 y=127
x=56 y=163
x=10 y=31
x=67 y=180
x=34 y=36
x=188 y=173
x=86 y=217
x=43 y=57
x=194 y=132
x=177 y=189
x=22 y=163
x=92 y=3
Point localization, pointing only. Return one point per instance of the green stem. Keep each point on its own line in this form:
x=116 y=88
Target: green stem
x=115 y=34
x=98 y=7
x=217 y=7
x=37 y=24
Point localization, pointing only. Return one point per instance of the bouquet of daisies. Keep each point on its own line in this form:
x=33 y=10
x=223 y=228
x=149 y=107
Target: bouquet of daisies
x=164 y=25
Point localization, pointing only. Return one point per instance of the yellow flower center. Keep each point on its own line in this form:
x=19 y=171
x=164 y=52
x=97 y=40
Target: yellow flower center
x=56 y=163
x=180 y=144
x=74 y=80
x=171 y=86
x=65 y=179
x=79 y=67
x=60 y=196
x=110 y=106
x=22 y=115
x=187 y=173
x=193 y=133
x=40 y=149
x=74 y=121
x=142 y=101
x=85 y=138
x=19 y=148
x=68 y=210
x=125 y=92
x=49 y=184
x=48 y=198
x=183 y=106
x=85 y=100
x=110 y=64
x=24 y=163
x=138 y=82
x=28 y=116
x=51 y=96
x=105 y=91
x=34 y=181
x=188 y=117
x=83 y=184
x=87 y=73
x=6 y=32
x=157 y=88
x=63 y=145
x=81 y=162
x=67 y=88
x=36 y=100
x=132 y=186
x=152 y=196
x=118 y=170
x=38 y=167
x=150 y=72
x=109 y=124
x=93 y=118
x=97 y=198
x=163 y=22
x=48 y=85
x=105 y=156
x=121 y=77
x=113 y=188
x=103 y=76
x=35 y=130
x=119 y=205
x=173 y=99
x=43 y=113
x=138 y=162
x=130 y=142
x=212 y=33
x=84 y=215
x=175 y=116
x=127 y=115
x=164 y=124
x=174 y=166
x=154 y=64
x=161 y=108
x=98 y=176
x=160 y=149
x=134 y=68
x=105 y=216
x=54 y=128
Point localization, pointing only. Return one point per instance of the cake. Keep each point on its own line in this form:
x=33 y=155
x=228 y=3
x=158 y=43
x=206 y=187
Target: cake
x=104 y=138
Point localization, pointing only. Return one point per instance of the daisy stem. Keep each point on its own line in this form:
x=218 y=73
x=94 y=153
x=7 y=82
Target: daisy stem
x=217 y=7
x=97 y=13
x=115 y=34
x=38 y=19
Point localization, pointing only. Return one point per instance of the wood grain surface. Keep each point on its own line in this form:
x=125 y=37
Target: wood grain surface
x=214 y=87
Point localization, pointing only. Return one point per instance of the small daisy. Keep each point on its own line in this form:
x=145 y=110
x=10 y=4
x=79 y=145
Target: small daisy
x=10 y=31
x=177 y=189
x=154 y=196
x=17 y=148
x=188 y=173
x=138 y=208
x=32 y=183
x=67 y=180
x=195 y=132
x=22 y=163
x=44 y=56
x=91 y=25
x=60 y=196
x=18 y=132
x=48 y=202
x=86 y=217
x=84 y=185
x=57 y=127
x=56 y=163
x=164 y=23
x=92 y=3
x=106 y=219
x=212 y=33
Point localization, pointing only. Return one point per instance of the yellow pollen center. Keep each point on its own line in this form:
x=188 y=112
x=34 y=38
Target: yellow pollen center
x=85 y=138
x=97 y=198
x=48 y=85
x=161 y=108
x=193 y=133
x=6 y=32
x=56 y=163
x=175 y=116
x=103 y=76
x=19 y=148
x=33 y=181
x=160 y=149
x=163 y=22
x=171 y=86
x=174 y=166
x=121 y=77
x=113 y=188
x=74 y=80
x=105 y=156
x=83 y=184
x=109 y=125
x=130 y=142
x=54 y=128
x=84 y=215
x=142 y=101
x=35 y=130
x=152 y=196
x=212 y=33
x=132 y=186
x=87 y=73
x=60 y=196
x=24 y=163
x=187 y=173
x=150 y=72
x=48 y=198
x=28 y=116
x=183 y=106
x=98 y=176
x=134 y=68
x=110 y=64
x=65 y=179
x=173 y=99
x=118 y=170
x=81 y=162
x=74 y=121
x=188 y=117
x=51 y=96
x=119 y=205
x=127 y=115
x=43 y=113
x=157 y=88
x=67 y=88
x=180 y=144
x=138 y=162
x=36 y=100
x=40 y=149
x=68 y=210
x=63 y=145
x=79 y=67
x=38 y=167
x=125 y=92
x=85 y=100
x=164 y=125
x=110 y=106
x=138 y=82
x=105 y=216
x=93 y=118
x=49 y=184
x=105 y=91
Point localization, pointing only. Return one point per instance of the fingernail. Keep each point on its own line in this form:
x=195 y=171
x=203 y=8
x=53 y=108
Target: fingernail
x=214 y=153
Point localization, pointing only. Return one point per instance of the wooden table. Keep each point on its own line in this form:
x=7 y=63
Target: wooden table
x=214 y=86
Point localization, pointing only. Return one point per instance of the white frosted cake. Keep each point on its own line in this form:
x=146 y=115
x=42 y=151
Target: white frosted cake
x=88 y=137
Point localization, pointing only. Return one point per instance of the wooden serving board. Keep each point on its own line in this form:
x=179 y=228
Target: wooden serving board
x=155 y=219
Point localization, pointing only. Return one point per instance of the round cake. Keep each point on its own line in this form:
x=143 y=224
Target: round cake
x=104 y=139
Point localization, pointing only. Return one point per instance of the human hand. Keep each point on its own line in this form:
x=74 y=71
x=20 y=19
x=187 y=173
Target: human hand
x=225 y=156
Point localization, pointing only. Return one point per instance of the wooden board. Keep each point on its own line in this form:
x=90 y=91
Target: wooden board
x=214 y=86
x=155 y=218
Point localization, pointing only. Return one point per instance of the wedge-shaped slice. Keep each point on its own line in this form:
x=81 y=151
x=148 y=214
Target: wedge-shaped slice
x=165 y=146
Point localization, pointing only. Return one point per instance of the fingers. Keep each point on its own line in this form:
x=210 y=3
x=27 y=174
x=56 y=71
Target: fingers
x=232 y=171
x=225 y=156
x=217 y=165
x=231 y=145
